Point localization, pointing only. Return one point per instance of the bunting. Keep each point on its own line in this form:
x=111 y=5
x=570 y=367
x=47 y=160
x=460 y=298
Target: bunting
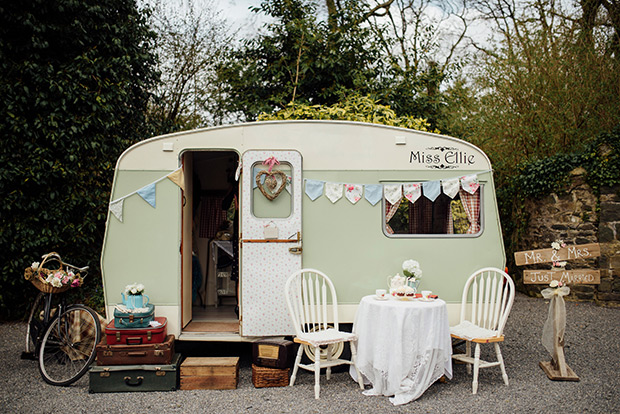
x=333 y=191
x=148 y=193
x=392 y=192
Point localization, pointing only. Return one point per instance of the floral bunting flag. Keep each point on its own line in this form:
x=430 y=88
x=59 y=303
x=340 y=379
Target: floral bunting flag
x=117 y=209
x=450 y=187
x=412 y=191
x=148 y=194
x=393 y=193
x=373 y=193
x=178 y=178
x=314 y=189
x=431 y=190
x=470 y=183
x=353 y=192
x=333 y=191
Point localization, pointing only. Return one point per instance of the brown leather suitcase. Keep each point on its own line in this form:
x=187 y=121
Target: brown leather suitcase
x=160 y=353
x=273 y=353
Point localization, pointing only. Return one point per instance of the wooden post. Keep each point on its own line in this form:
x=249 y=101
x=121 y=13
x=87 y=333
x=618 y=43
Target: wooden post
x=557 y=369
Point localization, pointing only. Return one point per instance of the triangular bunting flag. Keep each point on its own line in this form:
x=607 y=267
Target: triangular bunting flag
x=148 y=194
x=431 y=189
x=393 y=193
x=117 y=209
x=373 y=193
x=178 y=178
x=470 y=183
x=450 y=187
x=412 y=191
x=333 y=191
x=353 y=192
x=314 y=189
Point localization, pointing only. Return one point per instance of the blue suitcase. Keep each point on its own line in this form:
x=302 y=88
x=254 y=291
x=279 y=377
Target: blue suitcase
x=134 y=319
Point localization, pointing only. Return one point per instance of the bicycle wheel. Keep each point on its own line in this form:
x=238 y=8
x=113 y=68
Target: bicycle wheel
x=68 y=345
x=35 y=326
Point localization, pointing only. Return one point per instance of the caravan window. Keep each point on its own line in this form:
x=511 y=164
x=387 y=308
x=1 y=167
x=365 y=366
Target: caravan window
x=460 y=216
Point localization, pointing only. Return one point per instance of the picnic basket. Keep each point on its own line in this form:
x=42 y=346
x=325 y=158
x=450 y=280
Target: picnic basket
x=39 y=275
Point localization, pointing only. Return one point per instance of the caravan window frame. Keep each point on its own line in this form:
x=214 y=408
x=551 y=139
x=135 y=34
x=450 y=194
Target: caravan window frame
x=435 y=235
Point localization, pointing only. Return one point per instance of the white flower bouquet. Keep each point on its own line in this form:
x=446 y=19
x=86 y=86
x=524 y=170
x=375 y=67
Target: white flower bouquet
x=134 y=289
x=412 y=269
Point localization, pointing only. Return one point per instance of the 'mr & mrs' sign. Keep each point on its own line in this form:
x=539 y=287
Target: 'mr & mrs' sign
x=577 y=276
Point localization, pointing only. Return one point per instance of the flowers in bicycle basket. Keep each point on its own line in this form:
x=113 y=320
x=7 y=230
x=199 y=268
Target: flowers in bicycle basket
x=412 y=269
x=56 y=278
x=134 y=289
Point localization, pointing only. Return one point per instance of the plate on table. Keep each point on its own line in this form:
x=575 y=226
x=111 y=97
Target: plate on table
x=386 y=297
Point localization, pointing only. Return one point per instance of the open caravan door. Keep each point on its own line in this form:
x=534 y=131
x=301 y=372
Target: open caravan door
x=270 y=239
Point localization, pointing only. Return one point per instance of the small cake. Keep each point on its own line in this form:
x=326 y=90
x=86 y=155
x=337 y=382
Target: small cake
x=409 y=292
x=401 y=291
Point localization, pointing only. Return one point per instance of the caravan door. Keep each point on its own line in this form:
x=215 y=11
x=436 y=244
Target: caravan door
x=270 y=239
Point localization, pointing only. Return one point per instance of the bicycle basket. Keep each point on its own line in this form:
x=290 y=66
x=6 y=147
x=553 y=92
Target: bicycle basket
x=39 y=276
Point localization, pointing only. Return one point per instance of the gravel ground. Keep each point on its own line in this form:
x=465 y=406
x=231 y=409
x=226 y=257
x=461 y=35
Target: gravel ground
x=592 y=351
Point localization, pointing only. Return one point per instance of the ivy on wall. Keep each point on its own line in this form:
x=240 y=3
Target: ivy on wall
x=534 y=180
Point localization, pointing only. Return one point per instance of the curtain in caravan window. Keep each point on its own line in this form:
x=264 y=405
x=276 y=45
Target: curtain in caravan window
x=390 y=210
x=428 y=217
x=471 y=204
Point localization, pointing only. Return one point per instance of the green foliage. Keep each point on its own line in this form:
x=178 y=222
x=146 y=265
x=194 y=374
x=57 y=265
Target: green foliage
x=352 y=108
x=73 y=82
x=545 y=88
x=299 y=59
x=600 y=159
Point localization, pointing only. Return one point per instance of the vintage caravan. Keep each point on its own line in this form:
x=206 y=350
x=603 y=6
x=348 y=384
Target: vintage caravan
x=213 y=221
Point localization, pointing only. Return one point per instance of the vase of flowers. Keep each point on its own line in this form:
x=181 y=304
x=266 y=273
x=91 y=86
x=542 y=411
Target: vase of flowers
x=135 y=298
x=413 y=272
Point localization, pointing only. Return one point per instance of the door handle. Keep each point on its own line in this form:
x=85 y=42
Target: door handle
x=295 y=250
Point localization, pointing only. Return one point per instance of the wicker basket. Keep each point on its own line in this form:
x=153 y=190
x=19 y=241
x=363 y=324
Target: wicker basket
x=269 y=377
x=37 y=276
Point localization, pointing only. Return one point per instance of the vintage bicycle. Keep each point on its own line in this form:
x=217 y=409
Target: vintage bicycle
x=61 y=336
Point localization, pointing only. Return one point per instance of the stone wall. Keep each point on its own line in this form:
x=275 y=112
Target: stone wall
x=578 y=216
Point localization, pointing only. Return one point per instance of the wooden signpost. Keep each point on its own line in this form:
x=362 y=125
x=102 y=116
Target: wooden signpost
x=557 y=369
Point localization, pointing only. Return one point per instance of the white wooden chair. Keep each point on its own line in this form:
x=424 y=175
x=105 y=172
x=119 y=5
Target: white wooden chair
x=492 y=293
x=313 y=306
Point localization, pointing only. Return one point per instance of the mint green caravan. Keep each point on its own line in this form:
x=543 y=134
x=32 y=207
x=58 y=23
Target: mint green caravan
x=213 y=221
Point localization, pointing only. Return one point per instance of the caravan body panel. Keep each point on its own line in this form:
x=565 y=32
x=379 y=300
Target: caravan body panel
x=347 y=241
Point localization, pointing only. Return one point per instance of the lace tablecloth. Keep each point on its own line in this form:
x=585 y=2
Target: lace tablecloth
x=403 y=346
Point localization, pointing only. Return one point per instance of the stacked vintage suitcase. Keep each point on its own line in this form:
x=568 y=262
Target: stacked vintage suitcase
x=135 y=354
x=271 y=362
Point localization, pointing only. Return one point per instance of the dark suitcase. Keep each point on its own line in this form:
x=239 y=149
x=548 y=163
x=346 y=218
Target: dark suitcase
x=137 y=336
x=135 y=354
x=135 y=378
x=134 y=320
x=273 y=353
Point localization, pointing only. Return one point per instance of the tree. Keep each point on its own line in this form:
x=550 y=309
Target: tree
x=191 y=41
x=74 y=81
x=423 y=42
x=300 y=58
x=551 y=82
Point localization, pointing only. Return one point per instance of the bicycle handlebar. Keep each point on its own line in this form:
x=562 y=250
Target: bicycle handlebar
x=83 y=270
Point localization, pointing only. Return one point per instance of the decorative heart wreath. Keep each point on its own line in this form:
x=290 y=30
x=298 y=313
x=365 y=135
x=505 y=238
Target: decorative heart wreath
x=270 y=189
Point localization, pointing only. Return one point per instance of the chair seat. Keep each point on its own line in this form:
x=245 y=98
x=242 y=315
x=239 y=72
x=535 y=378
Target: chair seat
x=325 y=337
x=471 y=332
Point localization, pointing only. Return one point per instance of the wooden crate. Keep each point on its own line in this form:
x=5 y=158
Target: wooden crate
x=204 y=373
x=269 y=377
